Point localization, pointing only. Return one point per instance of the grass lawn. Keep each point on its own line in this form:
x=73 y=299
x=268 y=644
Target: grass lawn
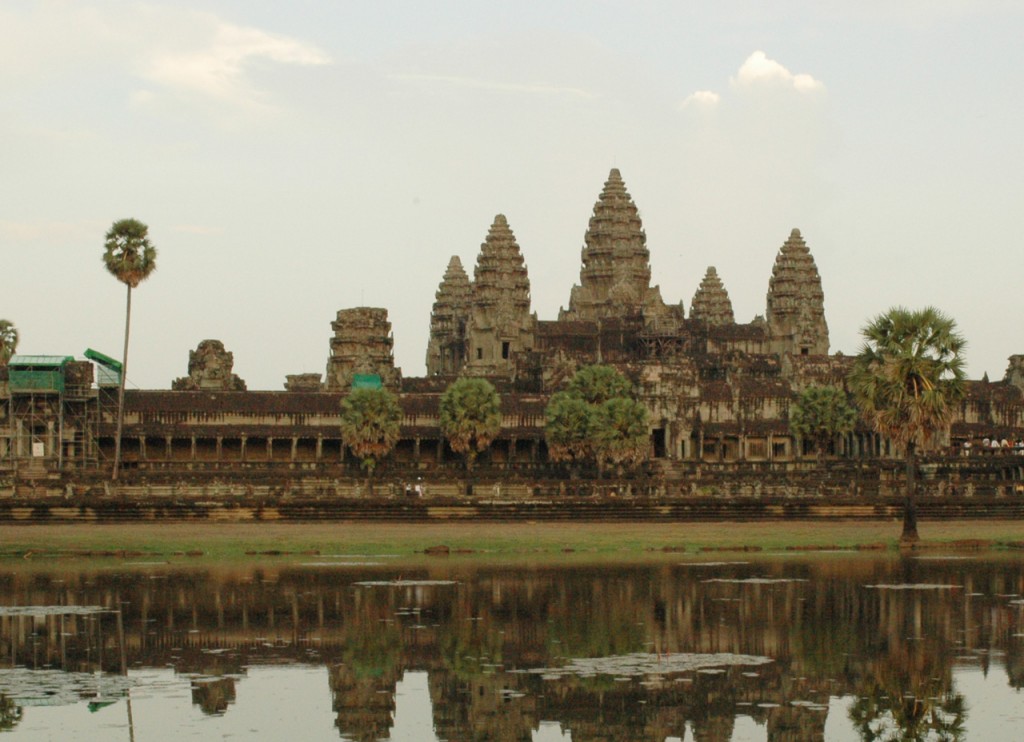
x=240 y=540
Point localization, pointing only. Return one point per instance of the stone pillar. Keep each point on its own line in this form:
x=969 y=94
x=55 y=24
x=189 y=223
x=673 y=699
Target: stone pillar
x=142 y=448
x=242 y=447
x=270 y=448
x=192 y=452
x=319 y=448
x=168 y=447
x=220 y=448
x=416 y=450
x=295 y=448
x=511 y=453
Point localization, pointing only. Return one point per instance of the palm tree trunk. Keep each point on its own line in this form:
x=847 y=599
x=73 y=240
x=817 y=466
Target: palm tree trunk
x=120 y=390
x=909 y=535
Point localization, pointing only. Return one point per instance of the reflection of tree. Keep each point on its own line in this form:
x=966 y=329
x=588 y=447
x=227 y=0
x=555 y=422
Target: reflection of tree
x=909 y=697
x=10 y=713
x=213 y=696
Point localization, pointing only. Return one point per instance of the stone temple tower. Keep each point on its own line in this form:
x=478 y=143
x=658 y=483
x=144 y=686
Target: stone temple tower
x=796 y=303
x=711 y=303
x=446 y=349
x=615 y=279
x=362 y=344
x=500 y=324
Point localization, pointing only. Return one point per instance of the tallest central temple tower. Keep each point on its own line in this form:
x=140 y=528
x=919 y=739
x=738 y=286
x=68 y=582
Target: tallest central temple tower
x=615 y=279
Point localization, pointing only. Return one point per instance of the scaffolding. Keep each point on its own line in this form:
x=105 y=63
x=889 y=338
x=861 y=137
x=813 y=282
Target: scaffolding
x=51 y=415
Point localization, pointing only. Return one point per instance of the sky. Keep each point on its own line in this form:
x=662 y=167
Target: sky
x=294 y=159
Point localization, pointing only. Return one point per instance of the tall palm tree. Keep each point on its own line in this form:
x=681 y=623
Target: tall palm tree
x=371 y=421
x=130 y=258
x=907 y=379
x=8 y=341
x=470 y=418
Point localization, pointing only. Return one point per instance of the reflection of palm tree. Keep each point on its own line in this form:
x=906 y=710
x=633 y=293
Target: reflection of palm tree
x=10 y=713
x=902 y=703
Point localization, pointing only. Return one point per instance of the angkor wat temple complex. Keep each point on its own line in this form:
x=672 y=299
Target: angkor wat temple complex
x=718 y=391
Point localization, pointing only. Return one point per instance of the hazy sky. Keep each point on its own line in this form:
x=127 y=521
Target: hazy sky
x=293 y=159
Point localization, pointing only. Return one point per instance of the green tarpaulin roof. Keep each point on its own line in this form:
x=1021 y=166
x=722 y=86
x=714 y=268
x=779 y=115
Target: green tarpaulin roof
x=103 y=360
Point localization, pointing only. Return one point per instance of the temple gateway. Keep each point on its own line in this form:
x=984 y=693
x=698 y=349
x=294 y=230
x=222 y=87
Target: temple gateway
x=718 y=391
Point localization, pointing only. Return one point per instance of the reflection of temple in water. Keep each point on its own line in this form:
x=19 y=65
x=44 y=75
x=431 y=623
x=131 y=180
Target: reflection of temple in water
x=827 y=633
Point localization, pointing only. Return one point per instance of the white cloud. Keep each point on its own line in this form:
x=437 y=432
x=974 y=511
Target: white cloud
x=701 y=99
x=759 y=69
x=218 y=68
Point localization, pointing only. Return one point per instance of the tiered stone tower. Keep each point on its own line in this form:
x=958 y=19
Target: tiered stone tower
x=616 y=274
x=796 y=303
x=500 y=323
x=446 y=349
x=362 y=344
x=711 y=303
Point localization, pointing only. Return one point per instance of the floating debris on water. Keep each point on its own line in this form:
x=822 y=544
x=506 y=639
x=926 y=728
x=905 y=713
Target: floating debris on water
x=757 y=580
x=642 y=663
x=53 y=610
x=340 y=564
x=915 y=586
x=711 y=564
x=404 y=583
x=58 y=688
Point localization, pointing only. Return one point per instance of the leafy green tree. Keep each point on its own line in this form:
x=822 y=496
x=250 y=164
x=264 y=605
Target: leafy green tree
x=597 y=384
x=620 y=433
x=597 y=419
x=130 y=258
x=907 y=380
x=8 y=341
x=370 y=424
x=820 y=414
x=470 y=419
x=567 y=424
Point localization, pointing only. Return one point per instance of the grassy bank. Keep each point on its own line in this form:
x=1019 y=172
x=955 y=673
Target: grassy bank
x=244 y=540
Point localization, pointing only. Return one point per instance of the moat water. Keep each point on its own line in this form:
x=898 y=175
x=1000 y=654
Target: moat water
x=778 y=647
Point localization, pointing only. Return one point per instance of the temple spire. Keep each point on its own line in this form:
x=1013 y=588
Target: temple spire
x=796 y=302
x=500 y=323
x=446 y=349
x=711 y=303
x=616 y=274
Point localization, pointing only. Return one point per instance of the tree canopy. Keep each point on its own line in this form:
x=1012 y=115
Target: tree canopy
x=128 y=253
x=909 y=374
x=820 y=414
x=470 y=416
x=596 y=418
x=596 y=384
x=370 y=424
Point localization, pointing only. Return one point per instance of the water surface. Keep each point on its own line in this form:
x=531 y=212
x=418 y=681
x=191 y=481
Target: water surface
x=786 y=648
